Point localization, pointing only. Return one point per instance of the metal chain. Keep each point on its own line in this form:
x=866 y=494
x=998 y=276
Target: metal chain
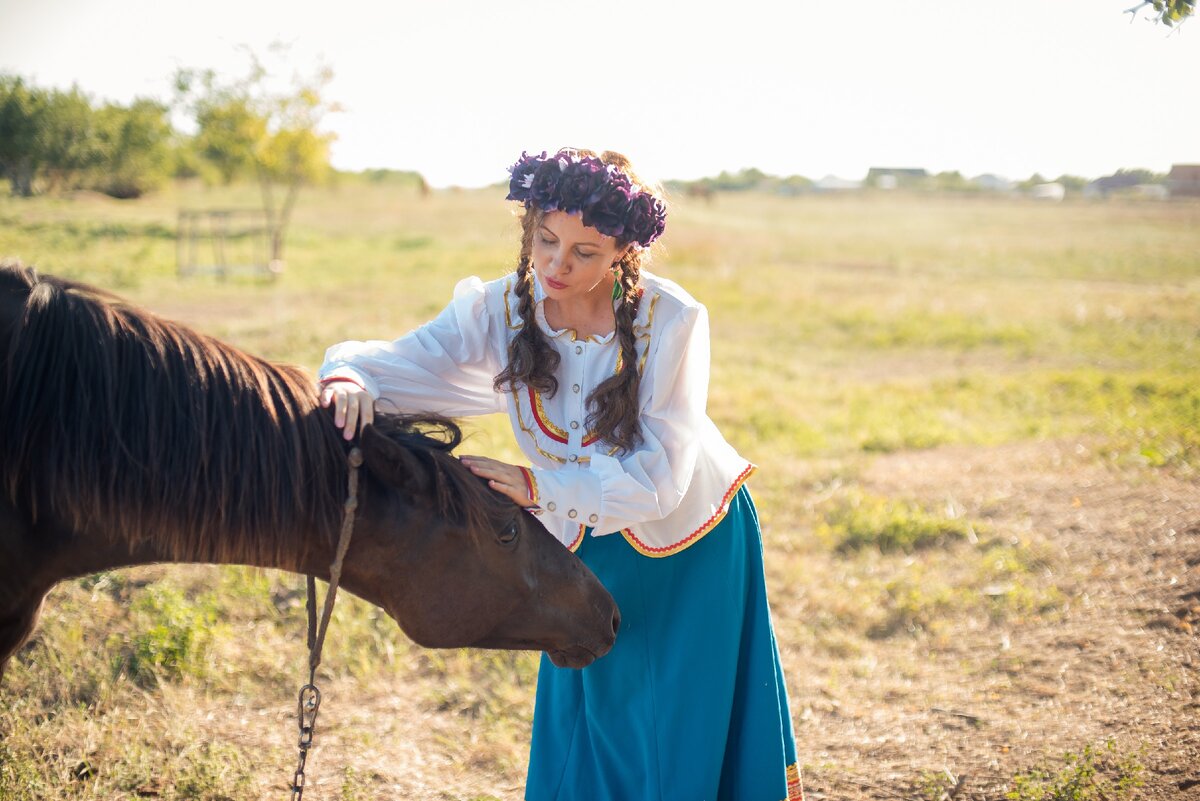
x=307 y=706
x=309 y=701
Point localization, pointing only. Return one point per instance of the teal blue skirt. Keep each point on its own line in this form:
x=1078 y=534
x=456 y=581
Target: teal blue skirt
x=690 y=704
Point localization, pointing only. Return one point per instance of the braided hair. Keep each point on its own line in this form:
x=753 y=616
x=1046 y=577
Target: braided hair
x=532 y=361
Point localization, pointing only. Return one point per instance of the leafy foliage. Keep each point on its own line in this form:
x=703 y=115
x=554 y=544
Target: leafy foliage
x=249 y=128
x=1171 y=12
x=58 y=140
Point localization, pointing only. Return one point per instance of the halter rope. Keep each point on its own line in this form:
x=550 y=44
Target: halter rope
x=309 y=701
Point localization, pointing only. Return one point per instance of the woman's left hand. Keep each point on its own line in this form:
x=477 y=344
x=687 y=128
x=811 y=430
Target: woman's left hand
x=506 y=479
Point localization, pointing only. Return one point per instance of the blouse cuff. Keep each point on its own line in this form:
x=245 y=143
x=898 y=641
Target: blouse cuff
x=347 y=373
x=571 y=496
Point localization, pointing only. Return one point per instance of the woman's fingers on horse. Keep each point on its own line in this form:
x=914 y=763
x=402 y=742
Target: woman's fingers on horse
x=349 y=425
x=366 y=415
x=512 y=493
x=339 y=409
x=489 y=468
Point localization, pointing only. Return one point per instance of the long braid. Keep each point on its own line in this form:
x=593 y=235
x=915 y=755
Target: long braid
x=614 y=403
x=532 y=361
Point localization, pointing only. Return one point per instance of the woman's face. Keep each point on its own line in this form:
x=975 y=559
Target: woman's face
x=573 y=260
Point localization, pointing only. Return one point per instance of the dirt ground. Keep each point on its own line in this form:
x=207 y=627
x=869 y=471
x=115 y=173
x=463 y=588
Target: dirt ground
x=1122 y=663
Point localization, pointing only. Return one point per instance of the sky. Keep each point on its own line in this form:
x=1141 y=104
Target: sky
x=456 y=89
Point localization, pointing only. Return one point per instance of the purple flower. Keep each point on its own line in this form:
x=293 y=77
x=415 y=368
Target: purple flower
x=582 y=183
x=522 y=176
x=609 y=202
x=607 y=214
x=544 y=189
x=646 y=219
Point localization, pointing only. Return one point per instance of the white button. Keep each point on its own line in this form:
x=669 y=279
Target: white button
x=572 y=514
x=579 y=349
x=574 y=387
x=593 y=518
x=572 y=458
x=550 y=506
x=574 y=424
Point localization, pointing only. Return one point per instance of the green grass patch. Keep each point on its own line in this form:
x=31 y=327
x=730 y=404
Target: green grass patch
x=1098 y=773
x=170 y=637
x=863 y=521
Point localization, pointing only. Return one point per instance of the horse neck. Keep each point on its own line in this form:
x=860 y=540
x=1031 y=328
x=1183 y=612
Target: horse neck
x=80 y=553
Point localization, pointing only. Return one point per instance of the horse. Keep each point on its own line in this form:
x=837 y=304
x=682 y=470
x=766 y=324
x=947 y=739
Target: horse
x=129 y=439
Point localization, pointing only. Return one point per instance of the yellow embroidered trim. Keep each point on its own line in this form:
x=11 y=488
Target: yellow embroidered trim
x=529 y=431
x=574 y=546
x=542 y=419
x=644 y=333
x=530 y=484
x=694 y=537
x=508 y=287
x=795 y=787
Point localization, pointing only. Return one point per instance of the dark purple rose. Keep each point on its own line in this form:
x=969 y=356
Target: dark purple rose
x=582 y=183
x=618 y=178
x=544 y=189
x=522 y=176
x=646 y=219
x=607 y=215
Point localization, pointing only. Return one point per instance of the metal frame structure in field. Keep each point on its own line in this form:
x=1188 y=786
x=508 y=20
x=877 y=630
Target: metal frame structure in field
x=224 y=242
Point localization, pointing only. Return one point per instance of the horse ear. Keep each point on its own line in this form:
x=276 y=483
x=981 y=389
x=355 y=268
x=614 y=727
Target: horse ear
x=393 y=463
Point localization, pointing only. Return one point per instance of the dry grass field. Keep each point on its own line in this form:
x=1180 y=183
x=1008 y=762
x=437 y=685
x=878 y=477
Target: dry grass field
x=977 y=422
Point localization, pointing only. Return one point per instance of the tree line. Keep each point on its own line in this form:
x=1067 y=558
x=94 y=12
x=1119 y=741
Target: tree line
x=60 y=139
x=54 y=139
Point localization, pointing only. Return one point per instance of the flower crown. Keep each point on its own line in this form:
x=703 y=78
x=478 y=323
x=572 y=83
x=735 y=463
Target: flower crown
x=608 y=200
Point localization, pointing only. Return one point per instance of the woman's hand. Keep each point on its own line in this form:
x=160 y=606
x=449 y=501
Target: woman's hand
x=506 y=479
x=353 y=406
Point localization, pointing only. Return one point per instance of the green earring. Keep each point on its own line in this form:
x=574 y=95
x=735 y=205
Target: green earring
x=616 y=290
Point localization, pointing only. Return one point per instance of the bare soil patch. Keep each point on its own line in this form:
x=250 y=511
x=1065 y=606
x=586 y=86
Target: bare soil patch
x=990 y=700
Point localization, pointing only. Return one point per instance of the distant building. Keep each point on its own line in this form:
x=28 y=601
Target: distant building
x=831 y=183
x=1103 y=187
x=993 y=183
x=1184 y=180
x=893 y=177
x=1051 y=191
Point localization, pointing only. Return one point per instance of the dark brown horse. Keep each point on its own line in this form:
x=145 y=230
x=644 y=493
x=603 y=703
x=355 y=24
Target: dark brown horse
x=127 y=439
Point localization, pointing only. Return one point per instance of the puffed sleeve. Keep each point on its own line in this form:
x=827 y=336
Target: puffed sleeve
x=614 y=492
x=445 y=366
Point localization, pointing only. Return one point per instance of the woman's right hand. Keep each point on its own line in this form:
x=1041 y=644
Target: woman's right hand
x=353 y=406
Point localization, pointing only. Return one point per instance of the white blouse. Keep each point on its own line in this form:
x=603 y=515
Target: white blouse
x=663 y=496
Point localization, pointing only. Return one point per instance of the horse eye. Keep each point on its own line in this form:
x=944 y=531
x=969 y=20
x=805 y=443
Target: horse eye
x=509 y=533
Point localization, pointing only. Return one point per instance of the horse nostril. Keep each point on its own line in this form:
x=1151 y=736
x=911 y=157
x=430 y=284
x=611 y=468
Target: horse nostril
x=616 y=621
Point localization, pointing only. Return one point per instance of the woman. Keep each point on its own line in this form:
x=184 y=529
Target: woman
x=603 y=369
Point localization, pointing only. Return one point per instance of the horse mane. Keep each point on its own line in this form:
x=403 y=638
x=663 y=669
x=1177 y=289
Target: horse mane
x=459 y=494
x=119 y=420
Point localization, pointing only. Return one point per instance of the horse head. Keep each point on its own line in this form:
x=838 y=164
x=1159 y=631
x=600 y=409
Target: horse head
x=456 y=564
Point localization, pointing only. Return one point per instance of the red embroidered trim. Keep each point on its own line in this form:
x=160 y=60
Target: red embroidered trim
x=550 y=429
x=795 y=788
x=574 y=546
x=539 y=415
x=530 y=483
x=704 y=528
x=333 y=380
